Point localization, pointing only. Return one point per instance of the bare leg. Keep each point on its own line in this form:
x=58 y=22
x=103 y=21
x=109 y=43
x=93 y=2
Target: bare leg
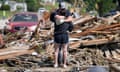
x=1 y=40
x=65 y=53
x=56 y=46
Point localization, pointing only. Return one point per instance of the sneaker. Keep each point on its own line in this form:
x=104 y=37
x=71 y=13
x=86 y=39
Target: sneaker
x=55 y=65
x=65 y=66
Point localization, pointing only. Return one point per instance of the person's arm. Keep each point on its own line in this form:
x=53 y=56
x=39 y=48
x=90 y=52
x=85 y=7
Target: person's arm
x=68 y=19
x=59 y=17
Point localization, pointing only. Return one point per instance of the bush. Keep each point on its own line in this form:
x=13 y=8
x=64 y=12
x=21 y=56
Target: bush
x=5 y=7
x=32 y=5
x=19 y=8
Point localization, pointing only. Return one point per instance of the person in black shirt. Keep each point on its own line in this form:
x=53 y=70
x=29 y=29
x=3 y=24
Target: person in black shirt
x=62 y=19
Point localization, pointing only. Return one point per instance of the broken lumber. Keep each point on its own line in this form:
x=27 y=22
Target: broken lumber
x=110 y=19
x=114 y=67
x=15 y=53
x=112 y=60
x=91 y=42
x=101 y=32
x=90 y=31
x=83 y=20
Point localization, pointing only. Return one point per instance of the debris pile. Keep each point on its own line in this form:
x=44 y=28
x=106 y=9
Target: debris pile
x=94 y=41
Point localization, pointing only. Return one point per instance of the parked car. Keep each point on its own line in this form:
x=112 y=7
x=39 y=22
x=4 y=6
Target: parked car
x=41 y=11
x=110 y=13
x=22 y=21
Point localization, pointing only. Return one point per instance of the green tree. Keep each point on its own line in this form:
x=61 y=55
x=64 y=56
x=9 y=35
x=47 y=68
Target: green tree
x=5 y=7
x=19 y=0
x=78 y=5
x=32 y=5
x=118 y=4
x=101 y=6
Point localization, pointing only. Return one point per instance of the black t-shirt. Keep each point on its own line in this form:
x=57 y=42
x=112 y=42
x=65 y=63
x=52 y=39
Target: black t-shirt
x=62 y=27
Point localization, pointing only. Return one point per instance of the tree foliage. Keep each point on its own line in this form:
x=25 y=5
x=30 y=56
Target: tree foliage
x=102 y=6
x=5 y=7
x=19 y=0
x=32 y=5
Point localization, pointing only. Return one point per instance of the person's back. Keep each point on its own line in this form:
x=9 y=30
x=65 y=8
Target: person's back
x=63 y=27
x=61 y=18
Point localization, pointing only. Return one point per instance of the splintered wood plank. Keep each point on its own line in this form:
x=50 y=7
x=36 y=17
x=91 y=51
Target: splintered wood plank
x=83 y=20
x=90 y=42
x=14 y=48
x=108 y=54
x=110 y=19
x=116 y=55
x=91 y=30
x=51 y=69
x=14 y=54
x=117 y=51
x=102 y=32
x=115 y=67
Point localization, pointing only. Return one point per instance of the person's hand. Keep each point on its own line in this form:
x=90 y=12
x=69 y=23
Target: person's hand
x=60 y=21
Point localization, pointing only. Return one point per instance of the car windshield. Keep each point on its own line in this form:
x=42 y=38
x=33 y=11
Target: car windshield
x=42 y=9
x=24 y=17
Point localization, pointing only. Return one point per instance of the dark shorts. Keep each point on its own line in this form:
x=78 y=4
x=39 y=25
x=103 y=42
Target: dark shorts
x=61 y=38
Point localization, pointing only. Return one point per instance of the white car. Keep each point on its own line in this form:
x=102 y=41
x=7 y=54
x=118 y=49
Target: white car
x=41 y=10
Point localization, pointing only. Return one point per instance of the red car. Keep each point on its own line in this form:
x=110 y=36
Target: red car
x=23 y=21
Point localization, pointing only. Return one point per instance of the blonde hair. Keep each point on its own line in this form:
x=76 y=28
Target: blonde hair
x=72 y=10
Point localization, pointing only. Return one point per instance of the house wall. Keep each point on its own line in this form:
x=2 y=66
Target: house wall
x=22 y=5
x=13 y=5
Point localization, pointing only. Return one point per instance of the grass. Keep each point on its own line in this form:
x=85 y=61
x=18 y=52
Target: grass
x=5 y=14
